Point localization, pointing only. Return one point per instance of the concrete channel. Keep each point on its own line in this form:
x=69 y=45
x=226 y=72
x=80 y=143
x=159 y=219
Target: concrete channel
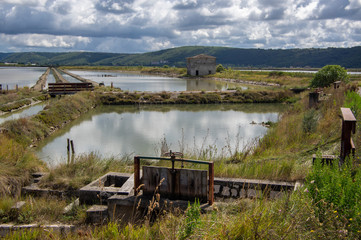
x=79 y=78
x=58 y=77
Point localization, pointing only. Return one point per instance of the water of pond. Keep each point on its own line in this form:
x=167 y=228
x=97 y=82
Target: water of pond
x=69 y=78
x=140 y=82
x=22 y=76
x=26 y=112
x=291 y=71
x=132 y=130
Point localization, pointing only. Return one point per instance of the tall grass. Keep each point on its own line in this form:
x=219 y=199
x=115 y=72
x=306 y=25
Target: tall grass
x=84 y=169
x=282 y=78
x=301 y=130
x=54 y=116
x=15 y=159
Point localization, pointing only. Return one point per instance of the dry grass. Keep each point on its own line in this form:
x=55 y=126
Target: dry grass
x=15 y=158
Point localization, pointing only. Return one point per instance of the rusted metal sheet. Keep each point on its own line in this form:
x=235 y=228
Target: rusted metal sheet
x=211 y=183
x=183 y=184
x=136 y=175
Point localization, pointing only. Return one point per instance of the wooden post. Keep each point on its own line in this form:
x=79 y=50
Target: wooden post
x=7 y=88
x=72 y=146
x=17 y=87
x=348 y=127
x=68 y=144
x=211 y=184
x=336 y=84
x=136 y=174
x=111 y=85
x=313 y=99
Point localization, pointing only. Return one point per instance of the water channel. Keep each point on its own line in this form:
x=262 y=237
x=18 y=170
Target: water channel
x=26 y=112
x=140 y=82
x=133 y=130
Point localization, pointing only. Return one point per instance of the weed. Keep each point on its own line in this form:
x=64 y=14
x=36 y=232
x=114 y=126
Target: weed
x=309 y=121
x=192 y=220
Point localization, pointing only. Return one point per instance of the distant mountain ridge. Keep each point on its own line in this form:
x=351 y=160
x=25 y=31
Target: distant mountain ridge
x=234 y=57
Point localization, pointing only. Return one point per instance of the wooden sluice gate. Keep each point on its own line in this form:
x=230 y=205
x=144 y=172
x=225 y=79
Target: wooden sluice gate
x=68 y=88
x=348 y=128
x=347 y=146
x=175 y=183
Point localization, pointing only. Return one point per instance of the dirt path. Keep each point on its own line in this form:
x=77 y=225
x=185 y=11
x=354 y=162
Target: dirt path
x=40 y=84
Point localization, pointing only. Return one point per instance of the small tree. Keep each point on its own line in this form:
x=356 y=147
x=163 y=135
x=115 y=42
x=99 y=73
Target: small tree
x=329 y=74
x=220 y=68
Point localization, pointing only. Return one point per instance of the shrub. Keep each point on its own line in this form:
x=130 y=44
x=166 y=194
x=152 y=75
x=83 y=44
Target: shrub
x=329 y=74
x=309 y=121
x=220 y=68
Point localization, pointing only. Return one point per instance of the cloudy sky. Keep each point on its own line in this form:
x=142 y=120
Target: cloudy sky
x=133 y=26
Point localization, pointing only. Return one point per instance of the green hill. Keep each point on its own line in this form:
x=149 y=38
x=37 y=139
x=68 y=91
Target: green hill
x=234 y=57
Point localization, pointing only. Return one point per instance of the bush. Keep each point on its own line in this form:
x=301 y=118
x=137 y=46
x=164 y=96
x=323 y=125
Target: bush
x=329 y=74
x=220 y=68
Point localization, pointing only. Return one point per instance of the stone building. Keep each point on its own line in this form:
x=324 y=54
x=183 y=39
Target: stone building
x=201 y=65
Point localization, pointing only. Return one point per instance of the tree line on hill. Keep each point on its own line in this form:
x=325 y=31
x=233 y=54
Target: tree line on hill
x=228 y=57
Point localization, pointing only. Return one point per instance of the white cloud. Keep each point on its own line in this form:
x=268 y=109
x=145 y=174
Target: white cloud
x=306 y=11
x=146 y=25
x=44 y=41
x=353 y=4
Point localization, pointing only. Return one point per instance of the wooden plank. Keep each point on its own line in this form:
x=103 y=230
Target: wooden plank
x=347 y=115
x=68 y=88
x=183 y=184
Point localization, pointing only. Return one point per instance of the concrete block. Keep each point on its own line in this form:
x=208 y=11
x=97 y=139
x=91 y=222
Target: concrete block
x=5 y=229
x=97 y=214
x=102 y=188
x=61 y=229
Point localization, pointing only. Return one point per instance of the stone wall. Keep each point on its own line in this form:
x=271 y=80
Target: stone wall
x=201 y=65
x=245 y=188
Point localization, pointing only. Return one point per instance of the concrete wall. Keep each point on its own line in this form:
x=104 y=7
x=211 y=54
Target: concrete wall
x=201 y=65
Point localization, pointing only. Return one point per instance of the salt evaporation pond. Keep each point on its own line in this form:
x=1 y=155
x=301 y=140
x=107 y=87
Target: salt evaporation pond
x=152 y=83
x=22 y=76
x=134 y=130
